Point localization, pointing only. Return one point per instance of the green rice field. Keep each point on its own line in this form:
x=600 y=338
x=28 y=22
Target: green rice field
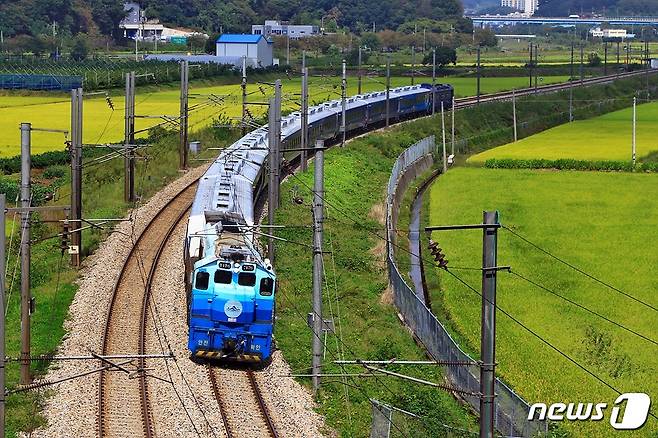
x=605 y=224
x=608 y=137
x=103 y=125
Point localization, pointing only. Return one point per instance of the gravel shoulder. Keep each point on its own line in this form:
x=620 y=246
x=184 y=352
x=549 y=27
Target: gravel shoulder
x=71 y=410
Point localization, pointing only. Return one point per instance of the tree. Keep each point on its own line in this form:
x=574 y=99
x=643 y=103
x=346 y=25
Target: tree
x=593 y=60
x=485 y=38
x=370 y=41
x=80 y=48
x=444 y=56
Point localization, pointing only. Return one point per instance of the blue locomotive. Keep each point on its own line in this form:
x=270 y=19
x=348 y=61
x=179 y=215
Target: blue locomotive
x=231 y=287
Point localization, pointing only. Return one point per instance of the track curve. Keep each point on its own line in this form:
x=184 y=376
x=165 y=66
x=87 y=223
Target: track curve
x=123 y=403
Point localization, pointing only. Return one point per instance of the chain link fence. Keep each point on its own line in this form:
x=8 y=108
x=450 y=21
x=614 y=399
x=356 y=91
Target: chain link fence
x=39 y=82
x=510 y=410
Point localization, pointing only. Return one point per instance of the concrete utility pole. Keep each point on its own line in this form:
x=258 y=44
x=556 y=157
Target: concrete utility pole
x=536 y=69
x=318 y=218
x=433 y=81
x=618 y=53
x=634 y=126
x=605 y=58
x=273 y=137
x=129 y=139
x=388 y=88
x=478 y=74
x=76 y=174
x=343 y=100
x=26 y=298
x=443 y=134
x=243 y=86
x=288 y=50
x=514 y=115
x=304 y=133
x=571 y=86
x=452 y=126
x=413 y=63
x=582 y=55
x=359 y=73
x=2 y=316
x=530 y=66
x=183 y=119
x=488 y=342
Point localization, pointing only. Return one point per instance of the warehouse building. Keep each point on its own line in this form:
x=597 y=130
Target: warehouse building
x=256 y=48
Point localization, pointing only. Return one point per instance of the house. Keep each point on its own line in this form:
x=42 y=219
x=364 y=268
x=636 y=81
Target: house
x=256 y=48
x=294 y=31
x=136 y=26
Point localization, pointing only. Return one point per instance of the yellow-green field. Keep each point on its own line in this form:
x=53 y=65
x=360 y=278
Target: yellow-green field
x=101 y=124
x=604 y=223
x=608 y=137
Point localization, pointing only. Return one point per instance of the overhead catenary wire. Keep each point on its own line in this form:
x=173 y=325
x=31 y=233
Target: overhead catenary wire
x=605 y=318
x=541 y=338
x=577 y=269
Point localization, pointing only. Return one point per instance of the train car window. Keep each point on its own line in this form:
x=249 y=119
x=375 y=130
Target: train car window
x=246 y=279
x=266 y=286
x=201 y=281
x=223 y=277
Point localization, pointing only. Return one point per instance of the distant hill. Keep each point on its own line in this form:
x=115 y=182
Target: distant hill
x=36 y=17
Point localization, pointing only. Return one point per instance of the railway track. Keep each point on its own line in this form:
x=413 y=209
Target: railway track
x=123 y=399
x=503 y=95
x=238 y=395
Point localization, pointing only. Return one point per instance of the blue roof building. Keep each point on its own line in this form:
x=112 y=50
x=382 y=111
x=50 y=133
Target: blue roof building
x=256 y=48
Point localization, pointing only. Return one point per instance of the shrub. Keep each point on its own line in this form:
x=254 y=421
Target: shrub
x=569 y=164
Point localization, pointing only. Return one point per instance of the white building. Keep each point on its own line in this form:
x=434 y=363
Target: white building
x=610 y=33
x=294 y=31
x=256 y=48
x=528 y=7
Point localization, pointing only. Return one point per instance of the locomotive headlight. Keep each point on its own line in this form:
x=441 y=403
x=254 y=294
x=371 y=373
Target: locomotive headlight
x=236 y=267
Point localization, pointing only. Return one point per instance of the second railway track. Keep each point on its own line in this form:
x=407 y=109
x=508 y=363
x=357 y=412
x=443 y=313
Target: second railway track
x=123 y=404
x=238 y=395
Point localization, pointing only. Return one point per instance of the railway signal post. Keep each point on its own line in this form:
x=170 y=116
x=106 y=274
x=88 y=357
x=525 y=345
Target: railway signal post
x=318 y=212
x=129 y=139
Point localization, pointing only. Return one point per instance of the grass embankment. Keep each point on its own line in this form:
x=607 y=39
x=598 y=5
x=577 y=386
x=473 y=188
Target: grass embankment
x=355 y=175
x=603 y=223
x=608 y=137
x=102 y=124
x=355 y=289
x=53 y=281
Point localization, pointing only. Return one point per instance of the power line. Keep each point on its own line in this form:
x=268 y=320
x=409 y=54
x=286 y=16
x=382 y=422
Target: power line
x=582 y=307
x=577 y=269
x=543 y=340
